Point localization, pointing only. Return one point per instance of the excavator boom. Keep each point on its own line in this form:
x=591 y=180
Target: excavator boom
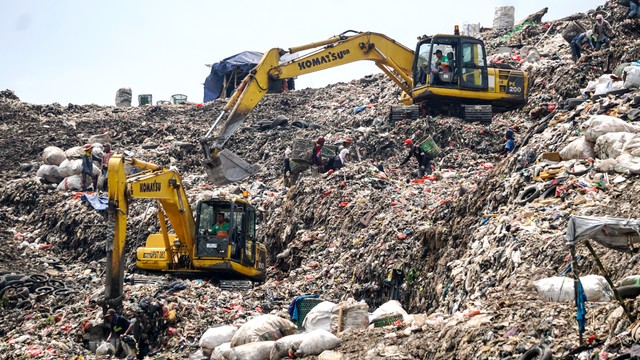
x=391 y=57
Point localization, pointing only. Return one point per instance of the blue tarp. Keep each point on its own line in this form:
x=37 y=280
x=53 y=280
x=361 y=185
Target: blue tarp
x=240 y=64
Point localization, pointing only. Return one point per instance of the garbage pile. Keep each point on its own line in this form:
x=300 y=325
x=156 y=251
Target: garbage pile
x=475 y=253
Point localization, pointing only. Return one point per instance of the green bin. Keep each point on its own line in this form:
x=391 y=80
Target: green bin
x=145 y=99
x=304 y=306
x=430 y=147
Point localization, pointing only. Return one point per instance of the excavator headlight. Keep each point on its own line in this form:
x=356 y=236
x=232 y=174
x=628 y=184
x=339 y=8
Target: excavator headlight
x=176 y=243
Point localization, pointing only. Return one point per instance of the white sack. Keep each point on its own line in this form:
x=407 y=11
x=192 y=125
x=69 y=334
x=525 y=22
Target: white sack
x=319 y=317
x=628 y=164
x=504 y=17
x=253 y=351
x=49 y=173
x=612 y=145
x=560 y=289
x=316 y=342
x=602 y=124
x=631 y=77
x=74 y=167
x=221 y=351
x=391 y=307
x=74 y=152
x=578 y=149
x=354 y=316
x=284 y=344
x=263 y=328
x=71 y=183
x=53 y=155
x=216 y=336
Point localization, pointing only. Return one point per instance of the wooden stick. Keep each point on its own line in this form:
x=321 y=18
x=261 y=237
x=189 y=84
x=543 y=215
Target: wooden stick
x=339 y=320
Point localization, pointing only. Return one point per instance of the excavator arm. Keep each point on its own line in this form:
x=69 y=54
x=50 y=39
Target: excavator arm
x=151 y=182
x=394 y=59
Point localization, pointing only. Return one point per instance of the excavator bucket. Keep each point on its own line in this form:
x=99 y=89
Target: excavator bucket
x=227 y=167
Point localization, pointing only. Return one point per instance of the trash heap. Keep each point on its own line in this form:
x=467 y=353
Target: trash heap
x=475 y=254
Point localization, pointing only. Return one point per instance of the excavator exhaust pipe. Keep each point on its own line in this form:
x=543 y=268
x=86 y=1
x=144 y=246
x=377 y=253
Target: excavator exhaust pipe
x=227 y=167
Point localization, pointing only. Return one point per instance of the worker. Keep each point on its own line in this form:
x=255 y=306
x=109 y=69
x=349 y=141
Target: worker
x=316 y=156
x=221 y=227
x=106 y=155
x=341 y=159
x=122 y=327
x=579 y=42
x=287 y=167
x=602 y=31
x=442 y=65
x=87 y=167
x=634 y=9
x=346 y=143
x=424 y=162
x=510 y=142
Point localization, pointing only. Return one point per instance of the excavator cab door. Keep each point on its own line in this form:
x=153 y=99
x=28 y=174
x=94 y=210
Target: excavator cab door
x=473 y=65
x=209 y=241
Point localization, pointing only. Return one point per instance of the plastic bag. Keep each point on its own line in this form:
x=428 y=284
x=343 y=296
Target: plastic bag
x=105 y=348
x=53 y=155
x=316 y=342
x=631 y=76
x=216 y=336
x=263 y=328
x=74 y=152
x=578 y=149
x=560 y=289
x=49 y=173
x=253 y=351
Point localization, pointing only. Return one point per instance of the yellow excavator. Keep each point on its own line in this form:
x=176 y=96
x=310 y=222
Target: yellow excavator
x=445 y=73
x=194 y=247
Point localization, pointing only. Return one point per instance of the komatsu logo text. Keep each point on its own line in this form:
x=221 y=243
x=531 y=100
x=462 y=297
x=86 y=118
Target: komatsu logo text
x=331 y=56
x=150 y=187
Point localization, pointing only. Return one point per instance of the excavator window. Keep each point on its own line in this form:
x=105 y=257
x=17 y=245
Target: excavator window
x=474 y=69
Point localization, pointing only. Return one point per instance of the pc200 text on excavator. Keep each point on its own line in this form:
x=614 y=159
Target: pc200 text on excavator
x=193 y=247
x=465 y=87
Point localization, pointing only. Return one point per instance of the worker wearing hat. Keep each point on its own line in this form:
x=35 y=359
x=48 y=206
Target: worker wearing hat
x=424 y=161
x=87 y=167
x=602 y=31
x=122 y=327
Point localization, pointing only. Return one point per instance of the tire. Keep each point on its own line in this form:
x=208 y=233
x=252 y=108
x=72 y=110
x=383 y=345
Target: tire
x=578 y=173
x=629 y=291
x=279 y=121
x=56 y=284
x=38 y=278
x=300 y=124
x=14 y=284
x=527 y=195
x=540 y=352
x=368 y=79
x=549 y=193
x=44 y=290
x=51 y=260
x=13 y=277
x=64 y=292
x=2 y=282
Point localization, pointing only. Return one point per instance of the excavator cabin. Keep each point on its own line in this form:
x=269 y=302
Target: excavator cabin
x=450 y=72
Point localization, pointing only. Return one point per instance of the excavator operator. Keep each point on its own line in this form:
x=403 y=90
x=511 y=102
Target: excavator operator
x=442 y=65
x=221 y=227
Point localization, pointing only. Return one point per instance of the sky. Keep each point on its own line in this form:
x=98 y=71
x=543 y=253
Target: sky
x=82 y=52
